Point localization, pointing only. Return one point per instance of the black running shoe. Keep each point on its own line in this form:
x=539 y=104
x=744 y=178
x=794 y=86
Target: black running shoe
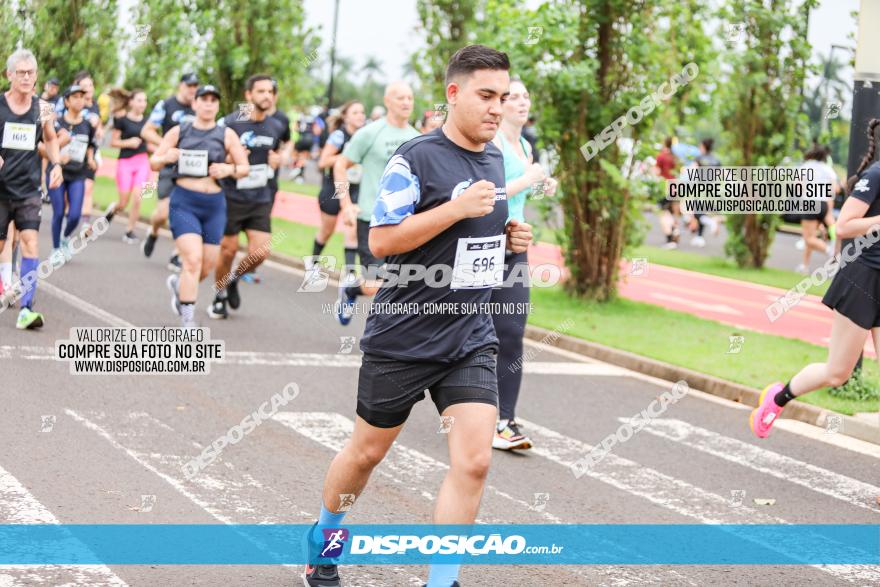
x=174 y=264
x=149 y=244
x=318 y=575
x=217 y=310
x=232 y=294
x=321 y=576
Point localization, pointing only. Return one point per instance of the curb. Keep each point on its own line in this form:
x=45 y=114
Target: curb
x=712 y=385
x=729 y=390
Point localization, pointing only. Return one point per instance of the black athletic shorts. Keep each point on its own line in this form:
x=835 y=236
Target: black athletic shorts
x=389 y=388
x=247 y=216
x=855 y=293
x=330 y=205
x=367 y=260
x=25 y=213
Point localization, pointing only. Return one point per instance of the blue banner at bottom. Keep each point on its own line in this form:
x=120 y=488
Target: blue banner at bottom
x=582 y=544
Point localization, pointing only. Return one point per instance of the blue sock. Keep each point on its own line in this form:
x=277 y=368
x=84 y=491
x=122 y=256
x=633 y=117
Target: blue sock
x=29 y=286
x=327 y=519
x=442 y=575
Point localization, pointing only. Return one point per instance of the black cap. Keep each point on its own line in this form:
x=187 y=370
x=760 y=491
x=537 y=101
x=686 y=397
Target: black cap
x=53 y=81
x=207 y=89
x=74 y=89
x=189 y=79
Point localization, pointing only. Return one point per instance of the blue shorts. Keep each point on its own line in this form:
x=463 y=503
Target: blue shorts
x=197 y=213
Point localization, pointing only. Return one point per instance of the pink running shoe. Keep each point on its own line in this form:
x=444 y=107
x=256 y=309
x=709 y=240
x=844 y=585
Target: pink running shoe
x=762 y=418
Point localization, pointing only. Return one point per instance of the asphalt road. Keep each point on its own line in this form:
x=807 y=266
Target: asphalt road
x=115 y=439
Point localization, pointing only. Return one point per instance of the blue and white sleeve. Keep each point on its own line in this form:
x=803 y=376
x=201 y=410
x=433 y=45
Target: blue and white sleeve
x=157 y=116
x=336 y=139
x=399 y=192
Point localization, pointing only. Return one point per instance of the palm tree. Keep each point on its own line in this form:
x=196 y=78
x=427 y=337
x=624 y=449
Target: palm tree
x=371 y=67
x=830 y=90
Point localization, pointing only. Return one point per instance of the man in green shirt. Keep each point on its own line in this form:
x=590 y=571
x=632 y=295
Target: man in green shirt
x=371 y=147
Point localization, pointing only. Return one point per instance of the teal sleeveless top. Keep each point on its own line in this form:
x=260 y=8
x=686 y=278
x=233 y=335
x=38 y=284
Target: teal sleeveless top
x=515 y=167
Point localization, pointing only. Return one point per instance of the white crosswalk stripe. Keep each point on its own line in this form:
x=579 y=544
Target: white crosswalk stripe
x=417 y=471
x=852 y=491
x=675 y=494
x=234 y=498
x=19 y=506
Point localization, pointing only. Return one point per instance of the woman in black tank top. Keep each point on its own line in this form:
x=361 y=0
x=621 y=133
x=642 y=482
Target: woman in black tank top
x=350 y=119
x=202 y=153
x=133 y=165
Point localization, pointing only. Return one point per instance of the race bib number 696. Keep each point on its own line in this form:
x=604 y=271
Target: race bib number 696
x=479 y=262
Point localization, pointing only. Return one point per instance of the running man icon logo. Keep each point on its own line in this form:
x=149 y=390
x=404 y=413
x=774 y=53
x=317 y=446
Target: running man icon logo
x=47 y=112
x=341 y=188
x=245 y=109
x=147 y=503
x=346 y=501
x=537 y=191
x=534 y=35
x=736 y=497
x=833 y=423
x=47 y=423
x=346 y=344
x=832 y=110
x=735 y=344
x=148 y=190
x=540 y=502
x=639 y=266
x=446 y=423
x=334 y=542
x=734 y=31
x=142 y=31
x=316 y=277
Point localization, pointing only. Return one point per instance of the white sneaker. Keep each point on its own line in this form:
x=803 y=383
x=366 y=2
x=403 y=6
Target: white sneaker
x=800 y=244
x=698 y=241
x=802 y=269
x=57 y=258
x=670 y=245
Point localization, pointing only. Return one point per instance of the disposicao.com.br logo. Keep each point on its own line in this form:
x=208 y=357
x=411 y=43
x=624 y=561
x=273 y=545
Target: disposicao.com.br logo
x=431 y=544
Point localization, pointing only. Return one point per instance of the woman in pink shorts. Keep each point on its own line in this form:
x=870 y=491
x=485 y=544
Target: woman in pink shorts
x=133 y=165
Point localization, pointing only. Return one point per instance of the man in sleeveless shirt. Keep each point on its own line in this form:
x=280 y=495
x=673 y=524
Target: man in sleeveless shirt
x=25 y=122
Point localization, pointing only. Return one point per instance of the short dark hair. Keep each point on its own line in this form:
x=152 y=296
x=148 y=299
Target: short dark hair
x=260 y=77
x=473 y=58
x=667 y=142
x=708 y=144
x=81 y=75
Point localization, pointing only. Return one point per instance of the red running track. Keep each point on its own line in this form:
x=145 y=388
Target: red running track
x=740 y=304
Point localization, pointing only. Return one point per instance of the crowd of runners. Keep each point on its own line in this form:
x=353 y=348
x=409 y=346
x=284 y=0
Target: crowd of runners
x=452 y=193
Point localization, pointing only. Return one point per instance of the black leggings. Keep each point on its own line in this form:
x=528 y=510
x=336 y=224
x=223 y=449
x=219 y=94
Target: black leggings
x=510 y=328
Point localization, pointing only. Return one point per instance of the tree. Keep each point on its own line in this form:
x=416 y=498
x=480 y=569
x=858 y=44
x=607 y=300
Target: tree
x=245 y=37
x=371 y=68
x=448 y=25
x=823 y=102
x=761 y=106
x=586 y=63
x=164 y=48
x=66 y=36
x=12 y=24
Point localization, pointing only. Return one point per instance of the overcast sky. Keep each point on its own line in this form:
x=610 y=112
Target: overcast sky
x=386 y=29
